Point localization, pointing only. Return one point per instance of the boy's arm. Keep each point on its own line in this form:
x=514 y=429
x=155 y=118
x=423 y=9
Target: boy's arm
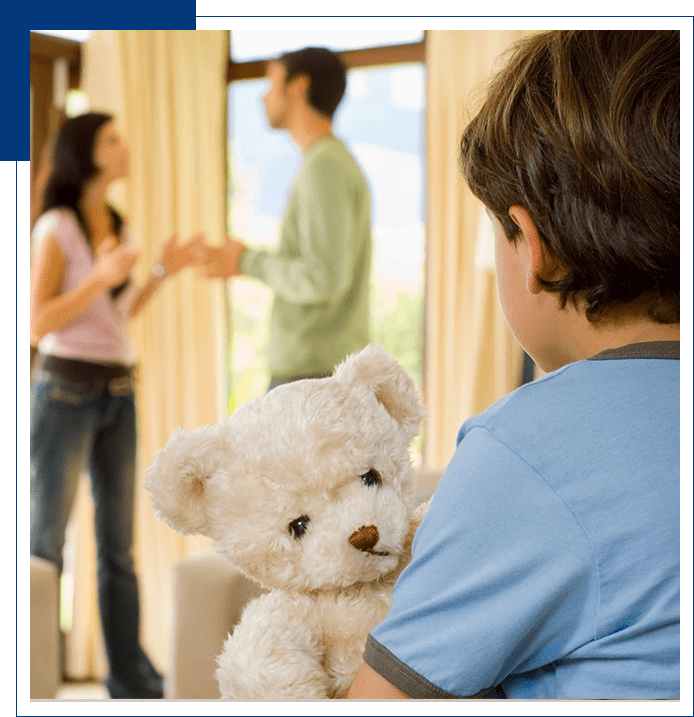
x=484 y=577
x=369 y=685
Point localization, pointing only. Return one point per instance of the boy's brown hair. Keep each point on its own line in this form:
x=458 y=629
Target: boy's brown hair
x=581 y=128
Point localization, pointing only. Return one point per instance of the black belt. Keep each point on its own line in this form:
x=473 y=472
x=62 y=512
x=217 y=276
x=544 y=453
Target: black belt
x=116 y=378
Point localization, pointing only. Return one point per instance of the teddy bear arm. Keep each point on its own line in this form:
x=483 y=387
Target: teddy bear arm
x=274 y=654
x=418 y=515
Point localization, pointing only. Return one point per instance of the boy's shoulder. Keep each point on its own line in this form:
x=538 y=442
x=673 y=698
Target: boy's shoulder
x=634 y=382
x=522 y=400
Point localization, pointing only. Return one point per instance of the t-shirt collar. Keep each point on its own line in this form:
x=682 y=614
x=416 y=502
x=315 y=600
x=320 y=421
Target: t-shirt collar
x=645 y=350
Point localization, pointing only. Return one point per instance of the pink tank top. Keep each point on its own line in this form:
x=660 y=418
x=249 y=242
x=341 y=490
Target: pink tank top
x=99 y=333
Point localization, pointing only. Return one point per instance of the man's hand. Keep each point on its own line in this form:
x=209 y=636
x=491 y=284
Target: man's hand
x=175 y=256
x=221 y=261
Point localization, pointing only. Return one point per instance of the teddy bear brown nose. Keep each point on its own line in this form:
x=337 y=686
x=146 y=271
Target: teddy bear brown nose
x=365 y=538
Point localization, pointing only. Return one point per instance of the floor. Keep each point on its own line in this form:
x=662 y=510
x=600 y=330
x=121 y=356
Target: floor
x=82 y=691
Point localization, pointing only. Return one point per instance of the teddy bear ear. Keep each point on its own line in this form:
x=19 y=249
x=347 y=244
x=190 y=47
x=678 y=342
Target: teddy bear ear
x=179 y=479
x=389 y=381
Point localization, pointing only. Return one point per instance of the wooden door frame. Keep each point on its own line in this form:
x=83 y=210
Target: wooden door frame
x=46 y=117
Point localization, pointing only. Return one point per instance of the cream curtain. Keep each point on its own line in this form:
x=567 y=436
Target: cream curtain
x=471 y=357
x=167 y=90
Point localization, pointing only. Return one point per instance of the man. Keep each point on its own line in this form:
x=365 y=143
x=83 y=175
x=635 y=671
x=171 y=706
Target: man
x=320 y=272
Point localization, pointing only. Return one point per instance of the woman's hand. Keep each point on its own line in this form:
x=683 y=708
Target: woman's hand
x=50 y=308
x=114 y=262
x=175 y=257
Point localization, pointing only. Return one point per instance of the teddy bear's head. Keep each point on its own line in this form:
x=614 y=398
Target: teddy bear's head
x=306 y=487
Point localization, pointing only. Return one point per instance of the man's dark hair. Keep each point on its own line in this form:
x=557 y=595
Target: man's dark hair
x=326 y=72
x=581 y=128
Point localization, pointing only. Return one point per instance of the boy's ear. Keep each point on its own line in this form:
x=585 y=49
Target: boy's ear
x=536 y=260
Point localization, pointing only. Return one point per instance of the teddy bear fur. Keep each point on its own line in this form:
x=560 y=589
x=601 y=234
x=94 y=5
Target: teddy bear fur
x=308 y=491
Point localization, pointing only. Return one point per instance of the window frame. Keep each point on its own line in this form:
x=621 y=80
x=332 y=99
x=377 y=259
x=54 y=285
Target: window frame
x=366 y=57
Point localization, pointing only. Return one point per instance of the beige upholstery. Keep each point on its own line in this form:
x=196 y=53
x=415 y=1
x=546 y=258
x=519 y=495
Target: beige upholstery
x=425 y=481
x=209 y=596
x=44 y=630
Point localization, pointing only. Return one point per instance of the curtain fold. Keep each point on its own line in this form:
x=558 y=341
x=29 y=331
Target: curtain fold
x=167 y=90
x=471 y=358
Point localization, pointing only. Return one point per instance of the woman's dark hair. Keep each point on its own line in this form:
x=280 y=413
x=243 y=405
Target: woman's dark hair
x=72 y=166
x=326 y=72
x=581 y=128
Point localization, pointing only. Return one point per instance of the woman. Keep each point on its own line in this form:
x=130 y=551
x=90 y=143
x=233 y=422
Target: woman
x=83 y=410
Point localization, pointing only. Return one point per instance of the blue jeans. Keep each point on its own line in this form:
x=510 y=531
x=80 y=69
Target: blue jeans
x=76 y=426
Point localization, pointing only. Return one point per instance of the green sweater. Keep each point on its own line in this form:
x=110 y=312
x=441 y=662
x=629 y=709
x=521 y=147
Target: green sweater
x=320 y=272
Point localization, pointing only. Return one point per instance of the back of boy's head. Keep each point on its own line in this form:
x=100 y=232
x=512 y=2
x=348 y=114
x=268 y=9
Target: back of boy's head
x=581 y=128
x=326 y=72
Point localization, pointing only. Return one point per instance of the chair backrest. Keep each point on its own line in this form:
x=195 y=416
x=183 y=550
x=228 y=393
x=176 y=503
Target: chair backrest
x=209 y=596
x=44 y=638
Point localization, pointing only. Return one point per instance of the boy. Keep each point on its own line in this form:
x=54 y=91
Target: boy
x=548 y=565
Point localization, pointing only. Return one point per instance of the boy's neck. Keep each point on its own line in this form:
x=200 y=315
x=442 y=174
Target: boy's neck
x=628 y=325
x=613 y=338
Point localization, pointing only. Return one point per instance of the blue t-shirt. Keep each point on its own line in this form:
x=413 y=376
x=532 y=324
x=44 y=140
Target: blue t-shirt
x=549 y=560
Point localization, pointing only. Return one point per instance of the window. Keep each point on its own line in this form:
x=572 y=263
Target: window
x=381 y=119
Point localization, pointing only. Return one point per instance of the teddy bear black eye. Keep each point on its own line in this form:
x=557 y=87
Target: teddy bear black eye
x=299 y=526
x=371 y=478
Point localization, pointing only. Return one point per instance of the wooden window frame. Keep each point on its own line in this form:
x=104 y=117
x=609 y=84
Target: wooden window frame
x=367 y=57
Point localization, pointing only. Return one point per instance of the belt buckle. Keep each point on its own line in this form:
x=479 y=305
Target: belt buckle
x=120 y=386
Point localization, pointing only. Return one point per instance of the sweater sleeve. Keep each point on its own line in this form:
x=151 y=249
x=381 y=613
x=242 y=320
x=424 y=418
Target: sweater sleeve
x=322 y=214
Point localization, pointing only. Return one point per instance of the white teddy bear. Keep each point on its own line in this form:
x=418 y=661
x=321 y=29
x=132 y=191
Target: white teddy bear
x=308 y=490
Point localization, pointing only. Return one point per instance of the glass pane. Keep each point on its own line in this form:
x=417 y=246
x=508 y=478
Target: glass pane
x=381 y=121
x=79 y=35
x=252 y=45
x=76 y=103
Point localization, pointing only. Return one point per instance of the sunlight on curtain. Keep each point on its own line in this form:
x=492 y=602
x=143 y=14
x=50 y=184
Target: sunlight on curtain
x=167 y=90
x=471 y=357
